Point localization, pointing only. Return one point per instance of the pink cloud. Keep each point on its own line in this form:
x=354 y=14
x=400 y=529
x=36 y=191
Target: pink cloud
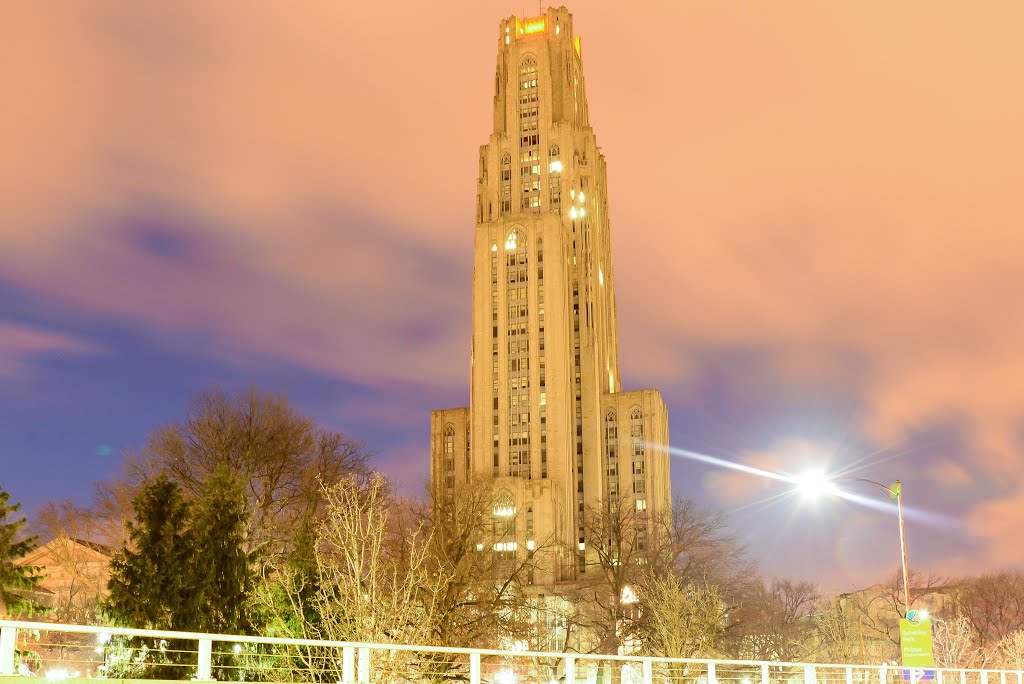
x=950 y=475
x=21 y=344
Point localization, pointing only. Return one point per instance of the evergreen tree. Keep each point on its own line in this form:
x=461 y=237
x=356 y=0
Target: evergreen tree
x=152 y=582
x=15 y=580
x=219 y=528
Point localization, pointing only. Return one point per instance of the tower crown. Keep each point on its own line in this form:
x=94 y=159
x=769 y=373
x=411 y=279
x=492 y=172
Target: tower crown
x=556 y=22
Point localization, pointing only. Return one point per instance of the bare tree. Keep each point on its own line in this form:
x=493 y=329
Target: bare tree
x=682 y=619
x=361 y=590
x=994 y=605
x=779 y=623
x=479 y=588
x=844 y=638
x=881 y=607
x=617 y=556
x=956 y=643
x=1008 y=654
x=111 y=511
x=631 y=549
x=386 y=569
x=281 y=455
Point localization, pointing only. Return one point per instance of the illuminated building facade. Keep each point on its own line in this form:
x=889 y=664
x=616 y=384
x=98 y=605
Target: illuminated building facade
x=548 y=423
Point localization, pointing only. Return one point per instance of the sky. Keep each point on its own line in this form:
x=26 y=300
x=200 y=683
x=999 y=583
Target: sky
x=818 y=236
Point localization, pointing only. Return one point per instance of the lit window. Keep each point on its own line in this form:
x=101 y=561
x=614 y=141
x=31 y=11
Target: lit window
x=513 y=240
x=641 y=504
x=505 y=510
x=556 y=166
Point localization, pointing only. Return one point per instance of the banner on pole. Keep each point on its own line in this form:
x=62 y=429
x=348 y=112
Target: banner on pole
x=916 y=647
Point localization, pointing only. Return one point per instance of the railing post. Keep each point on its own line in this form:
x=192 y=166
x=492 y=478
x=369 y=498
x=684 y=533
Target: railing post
x=764 y=673
x=474 y=668
x=809 y=674
x=364 y=665
x=8 y=640
x=648 y=671
x=882 y=674
x=938 y=676
x=849 y=675
x=204 y=671
x=984 y=677
x=963 y=676
x=570 y=670
x=711 y=673
x=1002 y=677
x=348 y=664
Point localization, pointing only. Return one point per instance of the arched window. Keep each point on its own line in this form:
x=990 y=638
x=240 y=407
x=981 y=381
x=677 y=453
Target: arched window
x=636 y=432
x=611 y=450
x=543 y=362
x=448 y=462
x=506 y=183
x=504 y=523
x=517 y=271
x=554 y=179
x=529 y=135
x=504 y=506
x=515 y=241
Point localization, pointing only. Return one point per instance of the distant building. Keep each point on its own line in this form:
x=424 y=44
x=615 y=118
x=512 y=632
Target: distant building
x=879 y=608
x=549 y=423
x=75 y=577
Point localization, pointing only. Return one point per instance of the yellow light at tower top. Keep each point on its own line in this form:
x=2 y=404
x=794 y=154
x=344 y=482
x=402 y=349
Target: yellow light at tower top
x=535 y=25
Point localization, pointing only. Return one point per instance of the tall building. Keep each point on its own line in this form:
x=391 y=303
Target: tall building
x=548 y=423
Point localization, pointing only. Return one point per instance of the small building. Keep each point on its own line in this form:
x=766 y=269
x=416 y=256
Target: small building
x=74 y=577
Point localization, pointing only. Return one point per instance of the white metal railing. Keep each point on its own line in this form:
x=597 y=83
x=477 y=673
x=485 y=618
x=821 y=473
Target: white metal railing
x=59 y=648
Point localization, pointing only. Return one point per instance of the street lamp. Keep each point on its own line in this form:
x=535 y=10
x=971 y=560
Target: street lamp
x=815 y=485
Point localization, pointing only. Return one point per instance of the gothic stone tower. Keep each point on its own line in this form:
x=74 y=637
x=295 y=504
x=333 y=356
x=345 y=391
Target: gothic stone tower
x=548 y=421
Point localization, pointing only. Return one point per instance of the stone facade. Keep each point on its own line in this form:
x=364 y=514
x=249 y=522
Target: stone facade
x=548 y=423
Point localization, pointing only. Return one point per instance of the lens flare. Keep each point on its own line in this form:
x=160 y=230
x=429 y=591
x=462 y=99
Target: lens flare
x=817 y=484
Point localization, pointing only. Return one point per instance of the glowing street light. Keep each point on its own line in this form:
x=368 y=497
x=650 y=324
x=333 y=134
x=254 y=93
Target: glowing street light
x=816 y=484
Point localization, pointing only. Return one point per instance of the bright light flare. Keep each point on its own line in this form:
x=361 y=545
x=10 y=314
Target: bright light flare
x=505 y=676
x=814 y=485
x=873 y=502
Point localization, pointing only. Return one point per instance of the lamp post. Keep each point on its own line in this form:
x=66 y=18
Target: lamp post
x=815 y=484
x=896 y=491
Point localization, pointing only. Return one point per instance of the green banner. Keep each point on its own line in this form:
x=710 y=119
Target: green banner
x=916 y=642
